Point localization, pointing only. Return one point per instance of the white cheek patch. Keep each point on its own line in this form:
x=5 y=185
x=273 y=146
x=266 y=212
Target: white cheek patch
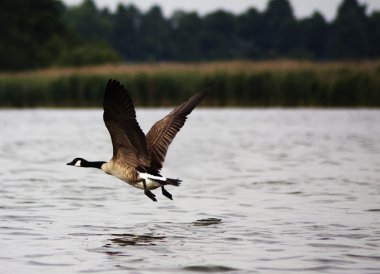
x=78 y=163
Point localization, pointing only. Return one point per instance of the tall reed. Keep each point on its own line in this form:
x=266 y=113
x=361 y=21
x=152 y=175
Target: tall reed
x=277 y=83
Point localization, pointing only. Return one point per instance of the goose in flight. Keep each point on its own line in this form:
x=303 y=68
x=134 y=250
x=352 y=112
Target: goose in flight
x=137 y=159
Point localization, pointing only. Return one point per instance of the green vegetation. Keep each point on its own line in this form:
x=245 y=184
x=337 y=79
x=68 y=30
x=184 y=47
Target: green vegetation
x=221 y=35
x=46 y=33
x=275 y=83
x=87 y=55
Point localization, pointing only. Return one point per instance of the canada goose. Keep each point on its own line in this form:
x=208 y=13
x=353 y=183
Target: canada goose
x=137 y=159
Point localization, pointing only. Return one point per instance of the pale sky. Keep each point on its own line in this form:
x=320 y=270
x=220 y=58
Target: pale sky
x=302 y=8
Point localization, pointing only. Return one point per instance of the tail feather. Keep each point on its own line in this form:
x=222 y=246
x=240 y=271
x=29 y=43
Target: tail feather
x=173 y=182
x=168 y=181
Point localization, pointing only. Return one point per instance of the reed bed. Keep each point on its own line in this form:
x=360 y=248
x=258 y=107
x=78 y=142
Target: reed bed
x=283 y=83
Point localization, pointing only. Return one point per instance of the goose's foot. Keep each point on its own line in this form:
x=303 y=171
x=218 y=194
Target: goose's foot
x=166 y=193
x=150 y=195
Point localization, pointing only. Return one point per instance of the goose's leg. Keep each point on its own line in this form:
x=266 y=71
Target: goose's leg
x=148 y=192
x=166 y=193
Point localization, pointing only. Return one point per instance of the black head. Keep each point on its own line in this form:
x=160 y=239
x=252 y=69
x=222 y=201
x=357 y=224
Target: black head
x=79 y=162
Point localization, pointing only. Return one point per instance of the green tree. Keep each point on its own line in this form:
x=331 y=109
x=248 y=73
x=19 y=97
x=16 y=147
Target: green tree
x=155 y=41
x=313 y=35
x=186 y=28
x=88 y=54
x=125 y=34
x=349 y=32
x=374 y=34
x=250 y=33
x=92 y=24
x=280 y=32
x=218 y=36
x=44 y=32
x=32 y=33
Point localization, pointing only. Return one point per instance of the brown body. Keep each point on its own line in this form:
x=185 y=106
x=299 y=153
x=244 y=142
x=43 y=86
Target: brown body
x=128 y=174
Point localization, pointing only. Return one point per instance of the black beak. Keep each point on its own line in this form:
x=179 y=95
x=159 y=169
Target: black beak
x=70 y=164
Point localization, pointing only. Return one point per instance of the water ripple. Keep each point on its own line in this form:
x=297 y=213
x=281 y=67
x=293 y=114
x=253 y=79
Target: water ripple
x=264 y=191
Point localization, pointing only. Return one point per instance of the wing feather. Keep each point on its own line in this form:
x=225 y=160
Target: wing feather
x=128 y=140
x=163 y=132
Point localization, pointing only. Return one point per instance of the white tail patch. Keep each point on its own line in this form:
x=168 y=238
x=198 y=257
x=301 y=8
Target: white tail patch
x=150 y=176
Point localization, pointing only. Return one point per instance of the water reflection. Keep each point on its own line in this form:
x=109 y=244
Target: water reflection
x=207 y=222
x=209 y=268
x=135 y=239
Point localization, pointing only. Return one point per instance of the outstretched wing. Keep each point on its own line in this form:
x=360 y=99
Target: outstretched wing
x=163 y=132
x=128 y=140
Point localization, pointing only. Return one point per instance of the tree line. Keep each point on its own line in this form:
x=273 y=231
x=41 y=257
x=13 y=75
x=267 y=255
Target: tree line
x=44 y=33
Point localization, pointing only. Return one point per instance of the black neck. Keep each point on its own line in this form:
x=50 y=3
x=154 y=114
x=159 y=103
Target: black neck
x=93 y=164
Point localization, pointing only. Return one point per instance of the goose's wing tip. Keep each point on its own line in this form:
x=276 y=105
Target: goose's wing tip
x=211 y=84
x=112 y=83
x=209 y=87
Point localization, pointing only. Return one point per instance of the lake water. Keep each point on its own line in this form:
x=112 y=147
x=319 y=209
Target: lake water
x=264 y=191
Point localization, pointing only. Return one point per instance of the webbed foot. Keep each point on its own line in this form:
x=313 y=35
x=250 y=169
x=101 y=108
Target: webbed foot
x=150 y=195
x=166 y=193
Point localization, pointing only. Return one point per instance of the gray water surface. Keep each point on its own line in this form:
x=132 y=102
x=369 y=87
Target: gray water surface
x=264 y=191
